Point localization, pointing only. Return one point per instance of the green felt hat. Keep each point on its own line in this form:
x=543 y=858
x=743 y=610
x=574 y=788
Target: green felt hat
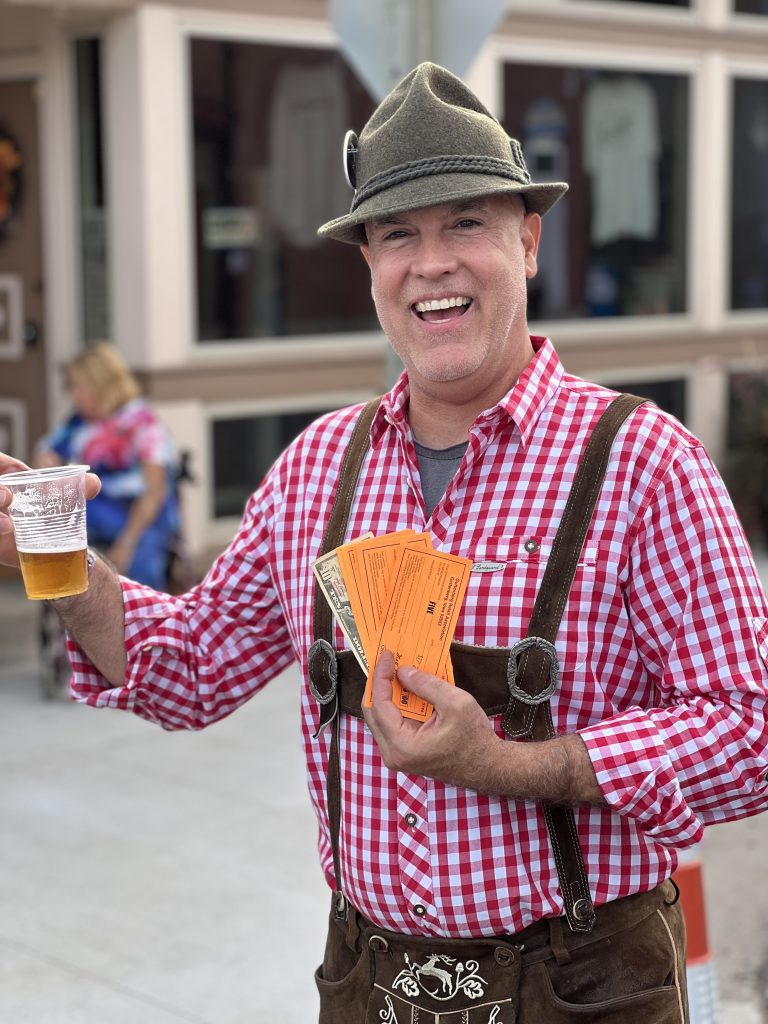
x=431 y=141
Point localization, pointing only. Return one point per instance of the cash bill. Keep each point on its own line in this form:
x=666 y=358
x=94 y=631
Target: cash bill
x=329 y=575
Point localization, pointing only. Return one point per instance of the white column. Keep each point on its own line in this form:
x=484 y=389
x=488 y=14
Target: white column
x=189 y=427
x=146 y=115
x=58 y=212
x=709 y=207
x=708 y=405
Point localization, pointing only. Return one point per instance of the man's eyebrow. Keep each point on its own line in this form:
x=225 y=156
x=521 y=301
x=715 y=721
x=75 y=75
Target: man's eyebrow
x=466 y=205
x=380 y=222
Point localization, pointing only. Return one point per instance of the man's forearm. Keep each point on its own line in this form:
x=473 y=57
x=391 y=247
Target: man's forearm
x=457 y=745
x=96 y=622
x=556 y=771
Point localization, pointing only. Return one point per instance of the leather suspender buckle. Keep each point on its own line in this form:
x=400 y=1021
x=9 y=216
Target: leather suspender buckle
x=554 y=671
x=323 y=666
x=340 y=905
x=323 y=672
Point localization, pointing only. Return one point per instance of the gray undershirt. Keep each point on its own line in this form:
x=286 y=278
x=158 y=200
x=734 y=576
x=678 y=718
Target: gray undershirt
x=436 y=468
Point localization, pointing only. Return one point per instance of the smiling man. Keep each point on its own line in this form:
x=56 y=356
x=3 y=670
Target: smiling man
x=509 y=859
x=449 y=286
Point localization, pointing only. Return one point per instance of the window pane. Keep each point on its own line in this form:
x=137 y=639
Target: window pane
x=93 y=202
x=669 y=395
x=746 y=462
x=243 y=451
x=665 y=3
x=616 y=244
x=268 y=125
x=750 y=6
x=749 y=203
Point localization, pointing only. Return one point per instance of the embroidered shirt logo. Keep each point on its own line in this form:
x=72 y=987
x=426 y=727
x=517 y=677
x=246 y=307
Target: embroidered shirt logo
x=441 y=977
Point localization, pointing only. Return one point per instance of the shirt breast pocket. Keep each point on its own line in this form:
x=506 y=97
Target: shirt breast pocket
x=506 y=576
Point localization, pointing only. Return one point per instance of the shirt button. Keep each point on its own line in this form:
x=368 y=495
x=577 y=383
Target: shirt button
x=411 y=819
x=419 y=910
x=531 y=545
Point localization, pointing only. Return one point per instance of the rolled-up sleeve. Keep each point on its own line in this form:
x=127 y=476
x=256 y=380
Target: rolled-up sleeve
x=192 y=660
x=700 y=622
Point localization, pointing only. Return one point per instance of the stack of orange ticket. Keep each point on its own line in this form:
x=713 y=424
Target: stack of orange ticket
x=396 y=593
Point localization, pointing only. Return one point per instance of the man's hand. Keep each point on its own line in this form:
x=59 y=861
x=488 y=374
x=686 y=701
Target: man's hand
x=455 y=745
x=458 y=746
x=8 y=553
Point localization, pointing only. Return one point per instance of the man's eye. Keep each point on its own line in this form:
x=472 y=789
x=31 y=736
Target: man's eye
x=394 y=235
x=467 y=222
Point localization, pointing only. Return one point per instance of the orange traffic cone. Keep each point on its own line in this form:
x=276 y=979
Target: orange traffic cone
x=700 y=963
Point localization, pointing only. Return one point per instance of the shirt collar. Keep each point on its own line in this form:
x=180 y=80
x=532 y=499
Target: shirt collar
x=535 y=388
x=523 y=403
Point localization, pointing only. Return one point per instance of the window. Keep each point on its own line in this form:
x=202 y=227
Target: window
x=746 y=463
x=662 y=3
x=749 y=195
x=750 y=6
x=94 y=276
x=268 y=126
x=615 y=245
x=669 y=395
x=243 y=451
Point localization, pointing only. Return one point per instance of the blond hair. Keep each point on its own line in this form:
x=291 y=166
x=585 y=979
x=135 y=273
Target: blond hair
x=106 y=375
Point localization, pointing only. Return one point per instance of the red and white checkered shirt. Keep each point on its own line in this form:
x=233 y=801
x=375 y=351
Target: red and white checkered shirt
x=663 y=650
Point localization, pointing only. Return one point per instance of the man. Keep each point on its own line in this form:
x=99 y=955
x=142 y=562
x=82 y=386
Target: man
x=450 y=900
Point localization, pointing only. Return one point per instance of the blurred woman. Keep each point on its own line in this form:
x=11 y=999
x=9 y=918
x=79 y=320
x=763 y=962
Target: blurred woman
x=116 y=433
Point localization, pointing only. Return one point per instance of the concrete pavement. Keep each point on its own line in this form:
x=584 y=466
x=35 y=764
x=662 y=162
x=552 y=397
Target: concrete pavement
x=143 y=875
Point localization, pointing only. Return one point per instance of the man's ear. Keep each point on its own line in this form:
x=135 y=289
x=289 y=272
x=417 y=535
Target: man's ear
x=366 y=254
x=530 y=233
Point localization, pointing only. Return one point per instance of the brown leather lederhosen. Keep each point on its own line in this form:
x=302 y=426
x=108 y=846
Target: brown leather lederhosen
x=516 y=682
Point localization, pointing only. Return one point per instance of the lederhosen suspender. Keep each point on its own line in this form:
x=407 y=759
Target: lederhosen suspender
x=517 y=682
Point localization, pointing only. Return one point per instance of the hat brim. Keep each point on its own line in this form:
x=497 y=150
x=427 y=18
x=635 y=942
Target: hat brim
x=434 y=190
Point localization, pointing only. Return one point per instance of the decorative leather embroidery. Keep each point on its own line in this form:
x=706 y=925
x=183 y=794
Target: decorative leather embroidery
x=441 y=982
x=388 y=1016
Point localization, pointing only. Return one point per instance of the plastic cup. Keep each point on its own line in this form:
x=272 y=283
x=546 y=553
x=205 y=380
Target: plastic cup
x=48 y=514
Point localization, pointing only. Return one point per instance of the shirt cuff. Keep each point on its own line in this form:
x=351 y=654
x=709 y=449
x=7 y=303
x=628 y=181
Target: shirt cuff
x=638 y=779
x=145 y=613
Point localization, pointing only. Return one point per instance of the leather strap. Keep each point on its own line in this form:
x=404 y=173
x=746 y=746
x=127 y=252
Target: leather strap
x=322 y=659
x=517 y=682
x=531 y=717
x=527 y=715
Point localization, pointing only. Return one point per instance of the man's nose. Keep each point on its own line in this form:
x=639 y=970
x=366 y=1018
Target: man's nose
x=433 y=257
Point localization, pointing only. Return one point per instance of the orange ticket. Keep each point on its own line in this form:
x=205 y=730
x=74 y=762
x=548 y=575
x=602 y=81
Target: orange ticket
x=380 y=557
x=420 y=619
x=367 y=567
x=351 y=565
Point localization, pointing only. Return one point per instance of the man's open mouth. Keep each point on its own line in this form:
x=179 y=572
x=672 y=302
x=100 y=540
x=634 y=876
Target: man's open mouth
x=439 y=310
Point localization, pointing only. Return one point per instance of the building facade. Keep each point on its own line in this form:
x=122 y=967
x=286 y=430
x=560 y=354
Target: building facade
x=163 y=168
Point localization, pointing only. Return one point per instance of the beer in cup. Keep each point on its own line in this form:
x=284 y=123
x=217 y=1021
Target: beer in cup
x=48 y=514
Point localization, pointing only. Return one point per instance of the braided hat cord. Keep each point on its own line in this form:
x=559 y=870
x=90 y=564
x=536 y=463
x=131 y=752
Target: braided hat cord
x=439 y=165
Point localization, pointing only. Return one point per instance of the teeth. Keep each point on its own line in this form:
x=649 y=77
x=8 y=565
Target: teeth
x=425 y=307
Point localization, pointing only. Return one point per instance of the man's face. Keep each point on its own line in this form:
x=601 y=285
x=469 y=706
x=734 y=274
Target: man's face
x=472 y=257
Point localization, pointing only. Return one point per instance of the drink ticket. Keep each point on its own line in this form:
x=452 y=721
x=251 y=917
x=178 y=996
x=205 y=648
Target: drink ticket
x=419 y=621
x=396 y=592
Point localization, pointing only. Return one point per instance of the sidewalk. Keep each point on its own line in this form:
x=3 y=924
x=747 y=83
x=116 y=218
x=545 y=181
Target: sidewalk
x=144 y=874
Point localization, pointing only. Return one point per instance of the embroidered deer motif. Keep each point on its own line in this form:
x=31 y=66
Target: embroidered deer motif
x=453 y=978
x=428 y=970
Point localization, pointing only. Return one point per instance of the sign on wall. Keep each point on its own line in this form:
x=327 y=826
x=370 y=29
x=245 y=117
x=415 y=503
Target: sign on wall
x=11 y=317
